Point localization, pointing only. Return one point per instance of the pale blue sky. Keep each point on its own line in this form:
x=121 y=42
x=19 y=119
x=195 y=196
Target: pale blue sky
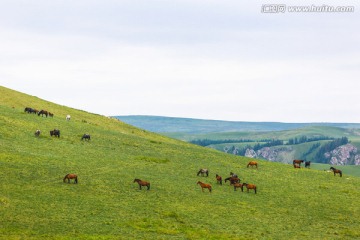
x=202 y=59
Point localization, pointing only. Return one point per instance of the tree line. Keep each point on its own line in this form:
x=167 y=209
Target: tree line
x=328 y=147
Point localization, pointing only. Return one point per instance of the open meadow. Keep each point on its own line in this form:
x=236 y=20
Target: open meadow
x=35 y=203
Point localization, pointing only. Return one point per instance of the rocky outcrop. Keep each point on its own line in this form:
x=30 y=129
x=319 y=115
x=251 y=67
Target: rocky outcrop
x=271 y=154
x=344 y=155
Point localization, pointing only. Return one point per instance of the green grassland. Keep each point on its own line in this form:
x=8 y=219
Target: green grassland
x=106 y=204
x=309 y=131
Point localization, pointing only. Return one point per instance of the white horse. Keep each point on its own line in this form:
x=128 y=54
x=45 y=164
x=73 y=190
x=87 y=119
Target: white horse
x=67 y=117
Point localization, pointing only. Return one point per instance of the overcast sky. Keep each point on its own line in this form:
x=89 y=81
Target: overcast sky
x=205 y=59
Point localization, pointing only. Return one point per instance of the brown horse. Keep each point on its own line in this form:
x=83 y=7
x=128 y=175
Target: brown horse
x=232 y=180
x=298 y=161
x=142 y=183
x=253 y=163
x=71 y=176
x=43 y=112
x=219 y=179
x=250 y=186
x=239 y=185
x=296 y=165
x=336 y=171
x=204 y=185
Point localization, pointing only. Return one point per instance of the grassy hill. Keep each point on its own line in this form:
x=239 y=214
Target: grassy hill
x=106 y=204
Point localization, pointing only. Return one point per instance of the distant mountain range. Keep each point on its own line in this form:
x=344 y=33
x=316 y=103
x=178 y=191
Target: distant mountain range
x=161 y=124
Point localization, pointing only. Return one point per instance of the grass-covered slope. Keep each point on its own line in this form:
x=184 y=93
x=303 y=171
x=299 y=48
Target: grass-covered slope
x=106 y=204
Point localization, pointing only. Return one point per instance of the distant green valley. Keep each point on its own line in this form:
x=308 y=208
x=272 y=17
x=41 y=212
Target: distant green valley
x=327 y=143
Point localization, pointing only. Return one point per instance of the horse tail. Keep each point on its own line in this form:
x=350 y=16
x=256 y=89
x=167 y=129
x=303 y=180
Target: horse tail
x=255 y=190
x=148 y=186
x=76 y=180
x=210 y=189
x=340 y=173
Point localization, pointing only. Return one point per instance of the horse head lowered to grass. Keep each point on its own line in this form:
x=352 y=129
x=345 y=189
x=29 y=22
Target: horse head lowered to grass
x=71 y=176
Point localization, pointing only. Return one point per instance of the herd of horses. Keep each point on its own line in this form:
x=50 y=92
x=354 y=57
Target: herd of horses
x=55 y=132
x=297 y=163
x=233 y=179
x=41 y=112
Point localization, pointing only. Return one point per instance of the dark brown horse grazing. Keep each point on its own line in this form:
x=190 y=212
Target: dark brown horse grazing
x=253 y=163
x=204 y=185
x=219 y=179
x=336 y=171
x=232 y=180
x=298 y=161
x=239 y=185
x=71 y=176
x=43 y=112
x=250 y=186
x=307 y=164
x=142 y=183
x=203 y=171
x=55 y=132
x=86 y=137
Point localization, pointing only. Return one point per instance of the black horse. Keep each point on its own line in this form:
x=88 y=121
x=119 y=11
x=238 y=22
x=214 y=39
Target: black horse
x=203 y=171
x=30 y=110
x=37 y=133
x=307 y=164
x=86 y=137
x=55 y=132
x=336 y=171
